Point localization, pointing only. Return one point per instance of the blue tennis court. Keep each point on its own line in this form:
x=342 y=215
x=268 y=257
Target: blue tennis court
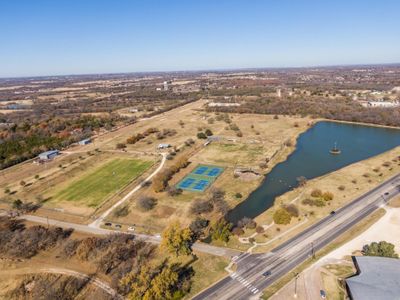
x=200 y=178
x=201 y=185
x=214 y=172
x=187 y=182
x=200 y=170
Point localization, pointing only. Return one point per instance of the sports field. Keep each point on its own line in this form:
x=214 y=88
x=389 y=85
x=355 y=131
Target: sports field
x=93 y=188
x=200 y=178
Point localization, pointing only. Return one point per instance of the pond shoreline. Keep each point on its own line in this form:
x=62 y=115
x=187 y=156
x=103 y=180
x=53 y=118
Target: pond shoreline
x=251 y=210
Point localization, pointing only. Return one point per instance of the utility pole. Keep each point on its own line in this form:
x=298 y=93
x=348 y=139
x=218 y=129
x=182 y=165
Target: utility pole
x=295 y=284
x=312 y=250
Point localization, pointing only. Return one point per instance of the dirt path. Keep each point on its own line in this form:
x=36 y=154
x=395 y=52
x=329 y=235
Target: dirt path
x=54 y=270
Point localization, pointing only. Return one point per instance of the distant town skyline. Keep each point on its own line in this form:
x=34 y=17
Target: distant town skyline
x=45 y=37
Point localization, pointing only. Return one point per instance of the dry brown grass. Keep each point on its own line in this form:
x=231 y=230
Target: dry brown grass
x=258 y=143
x=395 y=202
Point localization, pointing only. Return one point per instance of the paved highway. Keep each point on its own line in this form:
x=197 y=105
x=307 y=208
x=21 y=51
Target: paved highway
x=248 y=282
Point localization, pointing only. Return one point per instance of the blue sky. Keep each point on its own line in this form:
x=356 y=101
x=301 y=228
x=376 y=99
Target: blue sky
x=86 y=36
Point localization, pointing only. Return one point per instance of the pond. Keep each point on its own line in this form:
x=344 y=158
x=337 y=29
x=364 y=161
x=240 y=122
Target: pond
x=312 y=158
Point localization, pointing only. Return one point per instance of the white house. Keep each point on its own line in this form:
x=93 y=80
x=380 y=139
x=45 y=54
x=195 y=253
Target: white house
x=48 y=154
x=163 y=146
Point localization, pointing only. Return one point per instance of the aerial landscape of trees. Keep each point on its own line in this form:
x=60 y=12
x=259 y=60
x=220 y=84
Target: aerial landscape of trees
x=26 y=139
x=131 y=264
x=382 y=248
x=338 y=109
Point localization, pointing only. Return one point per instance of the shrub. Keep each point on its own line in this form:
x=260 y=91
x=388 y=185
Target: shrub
x=221 y=230
x=17 y=204
x=288 y=143
x=120 y=146
x=316 y=193
x=341 y=188
x=135 y=138
x=314 y=202
x=319 y=202
x=201 y=206
x=308 y=201
x=259 y=229
x=251 y=225
x=281 y=216
x=160 y=181
x=263 y=165
x=292 y=210
x=197 y=226
x=238 y=231
x=201 y=135
x=208 y=132
x=238 y=195
x=146 y=203
x=121 y=211
x=234 y=127
x=247 y=222
x=327 y=196
x=301 y=180
x=189 y=142
x=173 y=191
x=383 y=249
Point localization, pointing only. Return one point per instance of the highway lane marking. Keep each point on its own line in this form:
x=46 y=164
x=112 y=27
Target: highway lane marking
x=245 y=283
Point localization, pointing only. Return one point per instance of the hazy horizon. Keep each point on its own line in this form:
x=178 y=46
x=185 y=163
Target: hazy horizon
x=210 y=70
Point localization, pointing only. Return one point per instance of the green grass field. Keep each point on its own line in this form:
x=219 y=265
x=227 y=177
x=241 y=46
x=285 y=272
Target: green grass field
x=93 y=188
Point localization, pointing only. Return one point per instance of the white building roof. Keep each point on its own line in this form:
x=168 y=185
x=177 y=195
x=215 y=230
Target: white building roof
x=378 y=278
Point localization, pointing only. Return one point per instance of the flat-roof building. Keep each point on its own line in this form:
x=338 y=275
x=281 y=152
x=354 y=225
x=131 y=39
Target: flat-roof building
x=48 y=154
x=163 y=146
x=377 y=278
x=85 y=142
